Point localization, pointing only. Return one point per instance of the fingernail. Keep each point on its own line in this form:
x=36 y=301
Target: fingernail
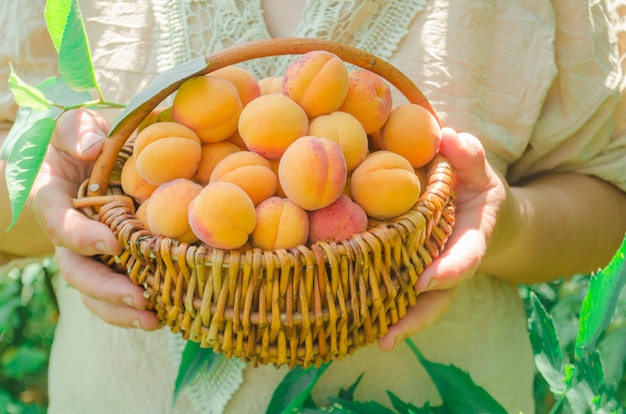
x=102 y=247
x=137 y=324
x=128 y=300
x=89 y=139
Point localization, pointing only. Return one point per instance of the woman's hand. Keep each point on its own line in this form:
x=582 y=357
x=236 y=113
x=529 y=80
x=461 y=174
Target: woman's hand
x=75 y=144
x=481 y=195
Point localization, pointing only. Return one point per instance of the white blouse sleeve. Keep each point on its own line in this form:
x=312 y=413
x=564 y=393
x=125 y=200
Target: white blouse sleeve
x=27 y=47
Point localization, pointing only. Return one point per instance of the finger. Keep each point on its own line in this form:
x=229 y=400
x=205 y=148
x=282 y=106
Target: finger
x=467 y=156
x=457 y=263
x=80 y=133
x=430 y=306
x=67 y=227
x=97 y=281
x=122 y=316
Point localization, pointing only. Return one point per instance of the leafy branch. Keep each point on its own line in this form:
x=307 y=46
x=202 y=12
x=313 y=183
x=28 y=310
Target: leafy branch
x=40 y=106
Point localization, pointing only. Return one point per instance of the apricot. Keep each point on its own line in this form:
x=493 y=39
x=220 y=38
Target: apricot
x=338 y=221
x=312 y=172
x=133 y=184
x=346 y=131
x=413 y=132
x=245 y=82
x=385 y=185
x=317 y=81
x=142 y=213
x=210 y=155
x=280 y=224
x=271 y=84
x=209 y=105
x=250 y=171
x=368 y=99
x=165 y=115
x=164 y=151
x=222 y=215
x=236 y=139
x=279 y=190
x=167 y=211
x=270 y=123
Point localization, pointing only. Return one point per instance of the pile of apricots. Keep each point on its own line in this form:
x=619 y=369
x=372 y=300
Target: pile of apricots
x=237 y=162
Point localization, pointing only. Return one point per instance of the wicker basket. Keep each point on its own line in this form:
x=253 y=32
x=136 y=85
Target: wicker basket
x=302 y=306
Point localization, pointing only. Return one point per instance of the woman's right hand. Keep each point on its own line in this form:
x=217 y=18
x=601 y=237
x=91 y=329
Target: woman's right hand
x=76 y=143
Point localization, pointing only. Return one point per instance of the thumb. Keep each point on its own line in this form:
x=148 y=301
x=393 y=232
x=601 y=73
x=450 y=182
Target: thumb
x=467 y=156
x=80 y=133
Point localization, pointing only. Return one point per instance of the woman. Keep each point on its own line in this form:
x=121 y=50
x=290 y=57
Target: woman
x=538 y=90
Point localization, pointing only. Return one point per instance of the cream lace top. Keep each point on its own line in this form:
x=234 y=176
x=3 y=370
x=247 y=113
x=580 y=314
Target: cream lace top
x=539 y=82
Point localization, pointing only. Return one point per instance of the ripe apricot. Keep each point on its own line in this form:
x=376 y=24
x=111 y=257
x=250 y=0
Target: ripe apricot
x=368 y=99
x=271 y=84
x=248 y=170
x=246 y=84
x=211 y=154
x=166 y=150
x=280 y=224
x=222 y=215
x=338 y=221
x=385 y=185
x=142 y=213
x=167 y=209
x=270 y=123
x=209 y=105
x=413 y=132
x=133 y=184
x=312 y=172
x=317 y=81
x=346 y=131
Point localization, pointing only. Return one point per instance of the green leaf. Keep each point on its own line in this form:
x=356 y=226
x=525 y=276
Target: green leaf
x=294 y=389
x=590 y=370
x=194 y=360
x=56 y=13
x=57 y=91
x=546 y=345
x=8 y=313
x=25 y=94
x=457 y=389
x=600 y=302
x=357 y=407
x=349 y=393
x=162 y=86
x=24 y=162
x=75 y=65
x=403 y=407
x=612 y=349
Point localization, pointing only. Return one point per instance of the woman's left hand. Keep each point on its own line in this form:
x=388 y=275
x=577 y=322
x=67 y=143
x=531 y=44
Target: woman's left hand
x=481 y=194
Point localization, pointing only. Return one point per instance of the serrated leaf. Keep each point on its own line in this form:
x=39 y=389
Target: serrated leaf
x=357 y=407
x=56 y=14
x=75 y=65
x=194 y=360
x=25 y=94
x=600 y=302
x=24 y=161
x=546 y=345
x=349 y=393
x=294 y=389
x=460 y=394
x=161 y=87
x=403 y=407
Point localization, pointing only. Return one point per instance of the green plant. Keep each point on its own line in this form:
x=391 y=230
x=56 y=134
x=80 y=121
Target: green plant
x=28 y=314
x=578 y=331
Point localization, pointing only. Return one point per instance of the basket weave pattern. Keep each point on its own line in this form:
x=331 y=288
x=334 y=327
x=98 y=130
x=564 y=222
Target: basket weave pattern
x=301 y=306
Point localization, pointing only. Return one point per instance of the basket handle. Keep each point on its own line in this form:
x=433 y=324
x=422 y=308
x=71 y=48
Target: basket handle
x=103 y=166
